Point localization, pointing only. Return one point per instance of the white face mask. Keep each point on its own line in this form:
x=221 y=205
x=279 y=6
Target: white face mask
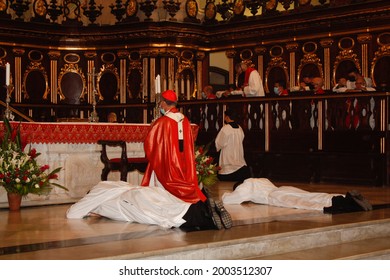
x=276 y=90
x=162 y=111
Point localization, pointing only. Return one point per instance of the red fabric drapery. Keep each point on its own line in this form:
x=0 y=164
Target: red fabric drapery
x=82 y=133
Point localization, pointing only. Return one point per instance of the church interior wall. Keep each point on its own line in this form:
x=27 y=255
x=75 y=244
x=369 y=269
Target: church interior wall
x=52 y=63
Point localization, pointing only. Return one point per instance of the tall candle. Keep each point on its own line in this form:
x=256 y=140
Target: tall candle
x=158 y=86
x=7 y=73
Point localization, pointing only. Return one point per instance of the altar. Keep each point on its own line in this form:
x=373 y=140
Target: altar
x=73 y=146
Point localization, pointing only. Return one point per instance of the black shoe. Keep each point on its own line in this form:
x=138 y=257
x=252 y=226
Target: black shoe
x=360 y=200
x=213 y=213
x=224 y=214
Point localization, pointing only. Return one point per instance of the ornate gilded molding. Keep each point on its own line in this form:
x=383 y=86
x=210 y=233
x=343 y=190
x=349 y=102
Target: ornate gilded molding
x=310 y=58
x=107 y=68
x=246 y=54
x=364 y=38
x=200 y=55
x=108 y=57
x=260 y=50
x=185 y=62
x=71 y=68
x=90 y=55
x=54 y=55
x=35 y=66
x=326 y=43
x=3 y=53
x=346 y=54
x=276 y=62
x=292 y=47
x=383 y=51
x=231 y=53
x=18 y=51
x=122 y=54
x=149 y=52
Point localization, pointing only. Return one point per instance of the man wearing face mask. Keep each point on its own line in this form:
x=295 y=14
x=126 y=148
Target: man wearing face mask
x=169 y=148
x=280 y=88
x=353 y=75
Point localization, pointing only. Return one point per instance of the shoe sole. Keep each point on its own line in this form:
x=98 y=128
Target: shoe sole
x=214 y=215
x=224 y=214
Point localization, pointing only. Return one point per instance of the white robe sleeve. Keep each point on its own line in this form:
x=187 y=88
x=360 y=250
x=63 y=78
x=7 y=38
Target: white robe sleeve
x=255 y=85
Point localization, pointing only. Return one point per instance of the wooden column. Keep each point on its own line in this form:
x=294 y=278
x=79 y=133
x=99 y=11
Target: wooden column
x=326 y=44
x=152 y=77
x=171 y=74
x=123 y=55
x=90 y=56
x=230 y=54
x=54 y=56
x=18 y=80
x=364 y=40
x=199 y=77
x=292 y=48
x=260 y=51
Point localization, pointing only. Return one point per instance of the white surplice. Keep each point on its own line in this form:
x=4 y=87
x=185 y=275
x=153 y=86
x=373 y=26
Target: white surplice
x=262 y=191
x=122 y=201
x=229 y=141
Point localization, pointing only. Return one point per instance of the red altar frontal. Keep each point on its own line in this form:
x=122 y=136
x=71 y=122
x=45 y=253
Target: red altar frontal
x=73 y=146
x=77 y=133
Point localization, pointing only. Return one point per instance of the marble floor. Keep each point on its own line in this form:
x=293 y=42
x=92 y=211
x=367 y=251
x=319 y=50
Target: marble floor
x=43 y=232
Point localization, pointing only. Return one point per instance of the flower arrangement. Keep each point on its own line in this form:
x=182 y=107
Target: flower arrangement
x=20 y=172
x=205 y=169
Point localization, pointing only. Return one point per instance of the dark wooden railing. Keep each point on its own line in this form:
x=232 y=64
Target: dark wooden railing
x=303 y=137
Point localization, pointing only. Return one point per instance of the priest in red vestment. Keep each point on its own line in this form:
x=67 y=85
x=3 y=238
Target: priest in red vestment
x=169 y=147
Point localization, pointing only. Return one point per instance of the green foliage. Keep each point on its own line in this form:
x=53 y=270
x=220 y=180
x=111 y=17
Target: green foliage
x=19 y=171
x=206 y=170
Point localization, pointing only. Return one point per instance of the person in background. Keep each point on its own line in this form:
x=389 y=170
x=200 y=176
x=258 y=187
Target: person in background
x=253 y=85
x=353 y=75
x=280 y=88
x=341 y=85
x=360 y=85
x=208 y=93
x=111 y=118
x=318 y=84
x=229 y=142
x=306 y=84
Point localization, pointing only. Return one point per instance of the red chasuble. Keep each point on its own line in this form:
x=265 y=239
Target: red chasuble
x=174 y=169
x=247 y=74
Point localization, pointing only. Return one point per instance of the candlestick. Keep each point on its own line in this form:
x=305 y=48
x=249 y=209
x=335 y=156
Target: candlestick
x=93 y=78
x=188 y=88
x=8 y=113
x=7 y=73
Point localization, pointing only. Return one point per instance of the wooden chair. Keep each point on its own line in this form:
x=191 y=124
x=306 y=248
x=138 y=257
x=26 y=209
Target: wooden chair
x=122 y=164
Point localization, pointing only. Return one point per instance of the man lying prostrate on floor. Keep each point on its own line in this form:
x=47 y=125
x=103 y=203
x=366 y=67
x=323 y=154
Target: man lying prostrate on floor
x=122 y=201
x=262 y=191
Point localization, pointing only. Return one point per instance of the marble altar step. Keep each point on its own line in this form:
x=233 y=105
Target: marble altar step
x=366 y=249
x=358 y=240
